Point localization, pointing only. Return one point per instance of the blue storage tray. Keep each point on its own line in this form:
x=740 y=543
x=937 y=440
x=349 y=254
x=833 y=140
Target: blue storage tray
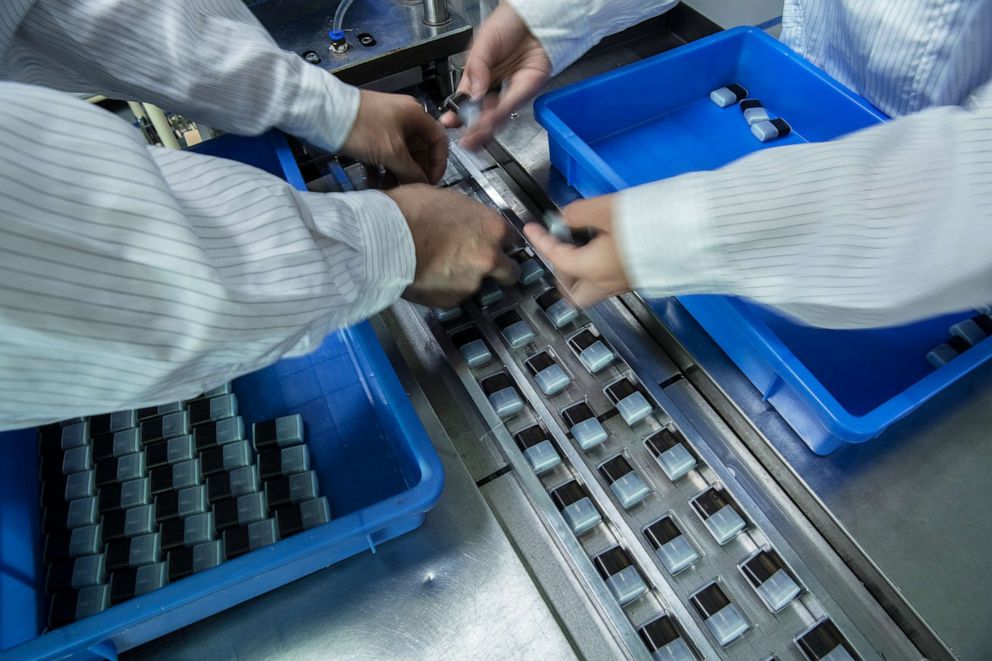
x=375 y=464
x=653 y=120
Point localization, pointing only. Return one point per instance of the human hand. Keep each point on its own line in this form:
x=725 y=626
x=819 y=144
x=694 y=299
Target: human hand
x=504 y=50
x=458 y=243
x=590 y=273
x=394 y=131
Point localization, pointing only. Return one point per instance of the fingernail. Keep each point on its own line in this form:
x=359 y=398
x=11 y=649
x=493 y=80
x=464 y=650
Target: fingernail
x=477 y=89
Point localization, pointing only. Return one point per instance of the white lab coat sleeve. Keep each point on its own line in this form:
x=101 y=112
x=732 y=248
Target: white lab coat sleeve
x=885 y=226
x=208 y=59
x=569 y=28
x=131 y=275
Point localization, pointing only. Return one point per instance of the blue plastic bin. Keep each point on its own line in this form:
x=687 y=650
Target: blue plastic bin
x=373 y=458
x=653 y=120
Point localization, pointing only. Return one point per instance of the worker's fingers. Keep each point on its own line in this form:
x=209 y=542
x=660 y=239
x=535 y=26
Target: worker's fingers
x=497 y=109
x=510 y=241
x=450 y=120
x=565 y=284
x=465 y=82
x=481 y=133
x=586 y=294
x=425 y=126
x=437 y=154
x=500 y=231
x=490 y=120
x=429 y=135
x=406 y=169
x=596 y=212
x=565 y=258
x=439 y=299
x=505 y=271
x=522 y=87
x=420 y=155
x=439 y=161
x=477 y=75
x=476 y=138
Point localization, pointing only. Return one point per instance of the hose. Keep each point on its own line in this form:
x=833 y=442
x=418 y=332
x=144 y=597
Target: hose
x=338 y=24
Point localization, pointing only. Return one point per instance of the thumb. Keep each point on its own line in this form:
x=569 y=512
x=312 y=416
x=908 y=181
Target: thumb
x=506 y=271
x=586 y=294
x=406 y=168
x=595 y=212
x=477 y=75
x=564 y=258
x=522 y=87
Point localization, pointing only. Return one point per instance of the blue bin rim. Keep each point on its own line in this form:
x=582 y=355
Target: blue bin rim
x=846 y=426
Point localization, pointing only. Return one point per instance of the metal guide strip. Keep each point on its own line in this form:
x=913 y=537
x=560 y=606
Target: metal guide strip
x=674 y=604
x=634 y=542
x=541 y=500
x=467 y=163
x=740 y=483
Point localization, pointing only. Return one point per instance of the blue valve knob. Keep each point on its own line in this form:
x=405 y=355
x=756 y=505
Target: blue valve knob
x=338 y=43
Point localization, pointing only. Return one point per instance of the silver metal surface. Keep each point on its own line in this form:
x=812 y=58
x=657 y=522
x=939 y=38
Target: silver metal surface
x=403 y=39
x=918 y=503
x=436 y=12
x=891 y=506
x=452 y=589
x=535 y=544
x=823 y=573
x=488 y=185
x=569 y=547
x=590 y=635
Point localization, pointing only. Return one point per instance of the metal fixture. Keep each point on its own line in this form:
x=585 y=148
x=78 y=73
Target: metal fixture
x=338 y=42
x=311 y=56
x=436 y=12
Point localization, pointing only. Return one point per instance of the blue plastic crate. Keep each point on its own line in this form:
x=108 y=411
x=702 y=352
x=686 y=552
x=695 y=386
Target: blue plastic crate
x=375 y=464
x=653 y=120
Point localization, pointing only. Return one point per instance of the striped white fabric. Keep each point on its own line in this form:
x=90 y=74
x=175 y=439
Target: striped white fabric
x=903 y=55
x=567 y=29
x=132 y=275
x=886 y=226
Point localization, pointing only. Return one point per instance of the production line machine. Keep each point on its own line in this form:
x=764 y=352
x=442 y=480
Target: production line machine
x=616 y=487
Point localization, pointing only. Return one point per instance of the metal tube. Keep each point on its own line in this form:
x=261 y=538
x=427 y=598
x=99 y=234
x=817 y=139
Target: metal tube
x=161 y=123
x=436 y=12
